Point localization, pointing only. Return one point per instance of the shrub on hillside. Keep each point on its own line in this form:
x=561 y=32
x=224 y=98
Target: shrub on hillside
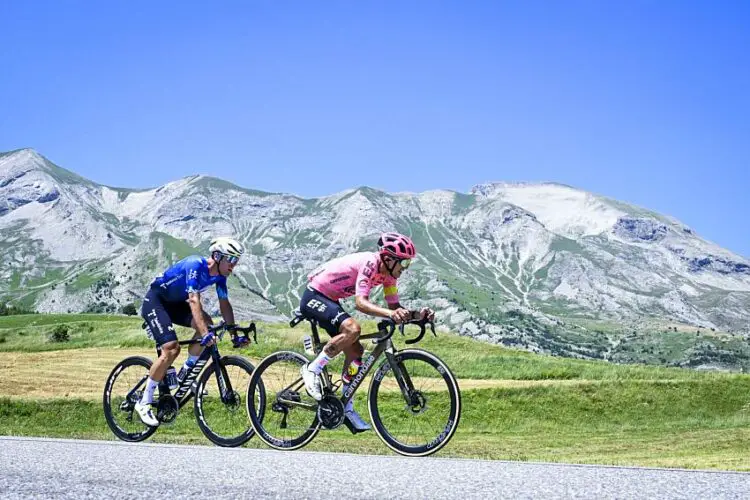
x=129 y=309
x=100 y=307
x=60 y=334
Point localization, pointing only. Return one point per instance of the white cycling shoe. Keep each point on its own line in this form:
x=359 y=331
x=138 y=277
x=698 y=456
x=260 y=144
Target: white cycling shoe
x=312 y=383
x=146 y=414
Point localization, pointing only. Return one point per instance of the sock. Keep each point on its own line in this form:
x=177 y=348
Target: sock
x=350 y=405
x=349 y=372
x=148 y=394
x=320 y=362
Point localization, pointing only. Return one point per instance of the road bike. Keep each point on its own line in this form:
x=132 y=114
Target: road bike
x=414 y=399
x=218 y=406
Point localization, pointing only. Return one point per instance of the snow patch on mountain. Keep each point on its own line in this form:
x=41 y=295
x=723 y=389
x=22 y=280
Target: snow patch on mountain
x=561 y=209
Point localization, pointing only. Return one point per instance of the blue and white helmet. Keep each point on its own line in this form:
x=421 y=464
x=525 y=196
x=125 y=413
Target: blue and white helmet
x=226 y=246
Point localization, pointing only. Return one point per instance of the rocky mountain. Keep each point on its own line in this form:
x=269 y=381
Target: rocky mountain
x=542 y=266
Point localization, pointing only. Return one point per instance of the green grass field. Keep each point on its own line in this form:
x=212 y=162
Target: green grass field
x=516 y=405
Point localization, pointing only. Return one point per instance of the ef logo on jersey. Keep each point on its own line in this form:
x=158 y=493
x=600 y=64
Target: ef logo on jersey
x=316 y=305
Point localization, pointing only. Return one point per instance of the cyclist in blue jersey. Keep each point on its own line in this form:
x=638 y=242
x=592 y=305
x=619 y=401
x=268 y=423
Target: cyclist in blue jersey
x=175 y=298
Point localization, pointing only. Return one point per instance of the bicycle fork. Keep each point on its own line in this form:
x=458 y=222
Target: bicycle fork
x=402 y=378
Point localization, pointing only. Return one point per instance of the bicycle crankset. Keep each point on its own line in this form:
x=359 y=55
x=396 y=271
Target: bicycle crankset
x=167 y=409
x=330 y=412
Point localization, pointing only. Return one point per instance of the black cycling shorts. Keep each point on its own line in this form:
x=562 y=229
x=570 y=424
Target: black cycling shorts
x=161 y=315
x=328 y=313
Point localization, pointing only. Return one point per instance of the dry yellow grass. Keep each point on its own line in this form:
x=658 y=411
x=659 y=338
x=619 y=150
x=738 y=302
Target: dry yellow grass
x=81 y=374
x=56 y=374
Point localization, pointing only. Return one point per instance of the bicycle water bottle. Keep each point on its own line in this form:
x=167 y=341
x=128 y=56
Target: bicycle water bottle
x=172 y=378
x=308 y=343
x=185 y=369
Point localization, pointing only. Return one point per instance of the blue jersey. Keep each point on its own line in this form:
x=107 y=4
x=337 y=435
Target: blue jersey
x=190 y=275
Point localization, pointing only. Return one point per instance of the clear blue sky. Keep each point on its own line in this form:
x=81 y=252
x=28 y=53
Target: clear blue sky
x=643 y=101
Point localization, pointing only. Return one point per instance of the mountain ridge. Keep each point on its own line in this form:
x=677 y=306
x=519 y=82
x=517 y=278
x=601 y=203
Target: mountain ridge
x=547 y=251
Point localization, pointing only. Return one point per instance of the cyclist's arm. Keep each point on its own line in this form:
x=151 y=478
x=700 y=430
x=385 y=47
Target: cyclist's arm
x=362 y=291
x=194 y=296
x=362 y=295
x=227 y=312
x=194 y=299
x=391 y=296
x=390 y=291
x=364 y=305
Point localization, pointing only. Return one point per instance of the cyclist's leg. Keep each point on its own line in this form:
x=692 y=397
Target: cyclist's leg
x=183 y=316
x=159 y=324
x=345 y=332
x=352 y=352
x=333 y=319
x=345 y=341
x=330 y=316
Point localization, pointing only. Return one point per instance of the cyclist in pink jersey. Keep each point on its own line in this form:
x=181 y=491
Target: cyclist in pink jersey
x=355 y=274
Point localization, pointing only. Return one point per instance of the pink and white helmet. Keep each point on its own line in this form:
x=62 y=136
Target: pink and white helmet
x=396 y=245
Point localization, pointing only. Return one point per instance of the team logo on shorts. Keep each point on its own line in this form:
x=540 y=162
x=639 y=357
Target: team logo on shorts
x=336 y=318
x=316 y=305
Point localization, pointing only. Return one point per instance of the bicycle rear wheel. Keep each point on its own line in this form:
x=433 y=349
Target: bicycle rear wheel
x=287 y=418
x=124 y=387
x=220 y=412
x=415 y=409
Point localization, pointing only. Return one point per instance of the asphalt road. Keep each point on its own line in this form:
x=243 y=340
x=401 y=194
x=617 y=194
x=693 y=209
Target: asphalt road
x=61 y=468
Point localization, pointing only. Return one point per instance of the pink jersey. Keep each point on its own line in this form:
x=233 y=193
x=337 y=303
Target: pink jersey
x=353 y=274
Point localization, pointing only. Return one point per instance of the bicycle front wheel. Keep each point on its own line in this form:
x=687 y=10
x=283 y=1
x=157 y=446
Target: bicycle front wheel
x=291 y=419
x=415 y=408
x=123 y=388
x=219 y=408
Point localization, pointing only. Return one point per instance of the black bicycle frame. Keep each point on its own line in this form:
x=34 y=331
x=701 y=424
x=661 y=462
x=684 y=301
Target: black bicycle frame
x=183 y=393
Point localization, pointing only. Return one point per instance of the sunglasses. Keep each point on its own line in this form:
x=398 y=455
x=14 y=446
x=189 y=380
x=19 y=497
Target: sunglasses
x=231 y=259
x=405 y=263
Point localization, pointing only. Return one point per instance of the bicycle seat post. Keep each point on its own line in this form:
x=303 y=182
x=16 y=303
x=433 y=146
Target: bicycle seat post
x=317 y=345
